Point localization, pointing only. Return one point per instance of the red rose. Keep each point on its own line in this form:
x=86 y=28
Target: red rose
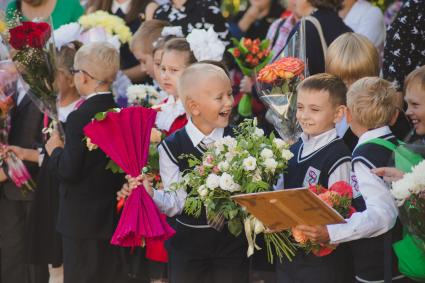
x=39 y=35
x=17 y=38
x=236 y=52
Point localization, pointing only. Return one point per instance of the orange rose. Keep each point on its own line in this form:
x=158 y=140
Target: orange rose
x=236 y=52
x=299 y=236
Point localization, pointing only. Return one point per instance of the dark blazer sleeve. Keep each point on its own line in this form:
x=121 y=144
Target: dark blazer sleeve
x=68 y=162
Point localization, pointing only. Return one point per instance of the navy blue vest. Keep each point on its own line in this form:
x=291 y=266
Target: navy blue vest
x=373 y=257
x=177 y=145
x=315 y=168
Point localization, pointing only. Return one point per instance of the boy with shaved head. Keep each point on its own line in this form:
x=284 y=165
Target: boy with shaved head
x=198 y=252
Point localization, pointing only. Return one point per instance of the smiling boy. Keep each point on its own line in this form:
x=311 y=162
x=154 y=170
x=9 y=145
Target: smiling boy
x=320 y=158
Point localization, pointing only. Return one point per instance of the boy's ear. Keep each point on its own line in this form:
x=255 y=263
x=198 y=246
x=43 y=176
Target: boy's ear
x=340 y=113
x=348 y=115
x=192 y=107
x=394 y=117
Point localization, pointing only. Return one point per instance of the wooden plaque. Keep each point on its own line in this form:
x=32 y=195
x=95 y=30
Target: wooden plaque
x=284 y=209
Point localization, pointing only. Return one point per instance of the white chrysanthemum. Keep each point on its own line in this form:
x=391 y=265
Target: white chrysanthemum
x=249 y=163
x=137 y=93
x=223 y=166
x=202 y=191
x=258 y=132
x=401 y=188
x=279 y=143
x=213 y=181
x=287 y=154
x=270 y=164
x=226 y=182
x=266 y=153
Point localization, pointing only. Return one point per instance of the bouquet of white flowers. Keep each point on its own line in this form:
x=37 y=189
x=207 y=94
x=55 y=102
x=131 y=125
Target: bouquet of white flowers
x=142 y=95
x=249 y=163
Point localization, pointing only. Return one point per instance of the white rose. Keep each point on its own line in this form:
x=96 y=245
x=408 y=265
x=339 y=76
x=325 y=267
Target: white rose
x=266 y=153
x=226 y=182
x=279 y=143
x=287 y=154
x=229 y=155
x=259 y=132
x=213 y=181
x=223 y=166
x=235 y=187
x=202 y=191
x=230 y=142
x=270 y=164
x=249 y=163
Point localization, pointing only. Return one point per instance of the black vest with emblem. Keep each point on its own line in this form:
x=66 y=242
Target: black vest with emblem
x=177 y=145
x=373 y=258
x=315 y=168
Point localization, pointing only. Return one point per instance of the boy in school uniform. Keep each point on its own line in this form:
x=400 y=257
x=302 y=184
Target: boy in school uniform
x=199 y=253
x=371 y=230
x=320 y=158
x=87 y=190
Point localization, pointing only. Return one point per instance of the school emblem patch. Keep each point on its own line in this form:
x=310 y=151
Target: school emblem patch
x=311 y=177
x=355 y=185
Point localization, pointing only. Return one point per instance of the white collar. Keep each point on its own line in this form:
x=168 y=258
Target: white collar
x=95 y=94
x=125 y=7
x=311 y=144
x=196 y=136
x=373 y=134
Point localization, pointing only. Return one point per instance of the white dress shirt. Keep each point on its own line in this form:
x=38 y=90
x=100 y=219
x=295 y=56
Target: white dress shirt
x=125 y=7
x=368 y=20
x=312 y=144
x=171 y=202
x=381 y=210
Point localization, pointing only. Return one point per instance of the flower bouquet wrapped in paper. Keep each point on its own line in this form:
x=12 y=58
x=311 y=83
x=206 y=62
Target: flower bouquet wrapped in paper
x=251 y=56
x=339 y=197
x=276 y=84
x=248 y=163
x=124 y=136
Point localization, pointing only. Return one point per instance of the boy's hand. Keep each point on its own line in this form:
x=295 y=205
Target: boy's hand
x=54 y=142
x=317 y=234
x=133 y=183
x=390 y=174
x=18 y=151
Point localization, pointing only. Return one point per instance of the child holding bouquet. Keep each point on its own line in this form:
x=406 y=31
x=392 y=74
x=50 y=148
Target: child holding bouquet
x=198 y=251
x=370 y=230
x=320 y=158
x=87 y=190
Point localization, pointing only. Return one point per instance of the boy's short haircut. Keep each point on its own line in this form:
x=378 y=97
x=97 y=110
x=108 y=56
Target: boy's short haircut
x=416 y=76
x=147 y=34
x=181 y=45
x=218 y=64
x=372 y=102
x=351 y=57
x=194 y=74
x=99 y=59
x=326 y=82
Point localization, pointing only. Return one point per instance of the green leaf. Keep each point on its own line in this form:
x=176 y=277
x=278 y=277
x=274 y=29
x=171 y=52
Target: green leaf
x=113 y=167
x=235 y=226
x=265 y=44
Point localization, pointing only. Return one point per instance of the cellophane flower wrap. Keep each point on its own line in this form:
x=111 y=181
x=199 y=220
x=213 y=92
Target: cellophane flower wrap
x=33 y=51
x=248 y=163
x=276 y=84
x=14 y=167
x=410 y=195
x=124 y=136
x=339 y=196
